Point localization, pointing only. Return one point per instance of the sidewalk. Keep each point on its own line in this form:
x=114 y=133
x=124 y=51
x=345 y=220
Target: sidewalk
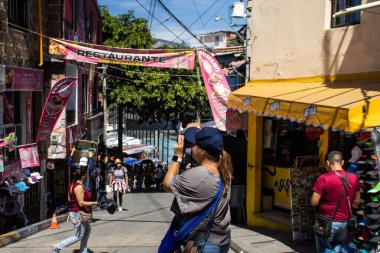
x=259 y=240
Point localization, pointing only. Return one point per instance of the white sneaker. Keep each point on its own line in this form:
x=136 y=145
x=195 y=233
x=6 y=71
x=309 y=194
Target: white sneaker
x=120 y=209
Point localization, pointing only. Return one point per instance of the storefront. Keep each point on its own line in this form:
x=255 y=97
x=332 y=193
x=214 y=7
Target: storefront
x=21 y=171
x=292 y=124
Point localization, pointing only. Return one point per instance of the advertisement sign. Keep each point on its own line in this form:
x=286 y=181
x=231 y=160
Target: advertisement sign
x=1 y=163
x=55 y=102
x=160 y=58
x=29 y=155
x=217 y=91
x=21 y=79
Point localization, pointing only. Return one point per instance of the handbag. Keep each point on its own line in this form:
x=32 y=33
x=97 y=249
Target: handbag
x=173 y=237
x=352 y=221
x=322 y=224
x=83 y=216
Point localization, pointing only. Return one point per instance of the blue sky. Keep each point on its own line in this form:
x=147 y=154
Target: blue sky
x=187 y=11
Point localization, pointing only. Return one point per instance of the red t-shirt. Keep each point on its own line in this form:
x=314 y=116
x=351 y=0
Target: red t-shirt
x=330 y=187
x=74 y=205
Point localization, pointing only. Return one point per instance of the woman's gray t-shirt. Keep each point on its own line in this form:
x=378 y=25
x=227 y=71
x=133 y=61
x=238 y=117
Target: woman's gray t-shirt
x=119 y=173
x=194 y=189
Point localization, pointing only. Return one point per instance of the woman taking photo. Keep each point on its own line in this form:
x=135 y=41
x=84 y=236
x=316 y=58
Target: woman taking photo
x=196 y=188
x=79 y=200
x=119 y=182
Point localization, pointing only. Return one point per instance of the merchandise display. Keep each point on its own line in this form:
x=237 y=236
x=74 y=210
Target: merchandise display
x=366 y=238
x=303 y=176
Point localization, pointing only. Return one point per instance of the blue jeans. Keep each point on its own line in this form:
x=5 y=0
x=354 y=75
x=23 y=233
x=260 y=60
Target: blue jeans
x=210 y=247
x=337 y=240
x=82 y=233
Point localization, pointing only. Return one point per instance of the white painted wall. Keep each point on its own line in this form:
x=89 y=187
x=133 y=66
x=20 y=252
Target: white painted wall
x=293 y=38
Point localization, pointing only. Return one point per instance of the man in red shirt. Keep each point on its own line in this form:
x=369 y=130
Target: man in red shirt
x=327 y=192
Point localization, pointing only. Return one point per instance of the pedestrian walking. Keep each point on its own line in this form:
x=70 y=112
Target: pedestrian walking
x=119 y=182
x=201 y=192
x=80 y=206
x=158 y=172
x=330 y=193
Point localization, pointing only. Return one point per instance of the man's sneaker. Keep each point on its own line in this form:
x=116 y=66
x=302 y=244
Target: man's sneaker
x=54 y=249
x=120 y=209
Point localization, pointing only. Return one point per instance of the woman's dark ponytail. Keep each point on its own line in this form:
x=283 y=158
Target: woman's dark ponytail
x=78 y=174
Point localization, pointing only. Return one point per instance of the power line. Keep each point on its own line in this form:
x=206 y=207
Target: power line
x=195 y=5
x=158 y=20
x=151 y=20
x=180 y=22
x=200 y=17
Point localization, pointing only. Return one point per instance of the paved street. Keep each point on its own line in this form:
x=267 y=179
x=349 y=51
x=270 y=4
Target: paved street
x=140 y=228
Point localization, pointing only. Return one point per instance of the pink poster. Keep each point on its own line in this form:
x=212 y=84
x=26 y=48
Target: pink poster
x=23 y=79
x=160 y=58
x=55 y=102
x=217 y=91
x=29 y=155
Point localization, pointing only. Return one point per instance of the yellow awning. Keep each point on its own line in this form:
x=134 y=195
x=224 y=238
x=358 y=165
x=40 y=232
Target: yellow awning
x=347 y=106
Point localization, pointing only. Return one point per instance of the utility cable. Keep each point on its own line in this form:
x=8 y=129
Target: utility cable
x=196 y=8
x=200 y=17
x=158 y=20
x=151 y=20
x=180 y=22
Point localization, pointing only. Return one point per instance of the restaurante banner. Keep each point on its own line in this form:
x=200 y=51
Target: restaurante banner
x=217 y=89
x=55 y=102
x=160 y=58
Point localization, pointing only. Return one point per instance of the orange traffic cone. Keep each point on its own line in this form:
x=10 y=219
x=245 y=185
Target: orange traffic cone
x=54 y=222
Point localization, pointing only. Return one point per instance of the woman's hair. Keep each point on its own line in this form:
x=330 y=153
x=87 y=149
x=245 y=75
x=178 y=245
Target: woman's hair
x=79 y=173
x=225 y=169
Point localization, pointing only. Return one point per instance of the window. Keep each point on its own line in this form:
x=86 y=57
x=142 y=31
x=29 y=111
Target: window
x=84 y=94
x=348 y=19
x=91 y=26
x=217 y=38
x=17 y=12
x=72 y=102
x=74 y=20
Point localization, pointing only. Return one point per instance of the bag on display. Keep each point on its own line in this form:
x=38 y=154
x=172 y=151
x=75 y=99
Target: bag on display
x=322 y=226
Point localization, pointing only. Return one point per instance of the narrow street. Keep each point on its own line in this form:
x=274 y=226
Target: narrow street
x=140 y=228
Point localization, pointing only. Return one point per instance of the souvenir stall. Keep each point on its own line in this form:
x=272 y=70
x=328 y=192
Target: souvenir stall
x=17 y=179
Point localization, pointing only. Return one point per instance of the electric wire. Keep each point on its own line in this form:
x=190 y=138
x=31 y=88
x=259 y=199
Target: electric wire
x=158 y=20
x=196 y=8
x=180 y=23
x=154 y=7
x=200 y=17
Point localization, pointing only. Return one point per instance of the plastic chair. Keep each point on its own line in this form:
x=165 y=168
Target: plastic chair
x=237 y=199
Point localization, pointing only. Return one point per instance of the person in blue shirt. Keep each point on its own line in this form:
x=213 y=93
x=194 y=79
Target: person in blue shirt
x=85 y=162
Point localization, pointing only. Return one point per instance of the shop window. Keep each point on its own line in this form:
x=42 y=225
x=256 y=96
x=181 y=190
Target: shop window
x=74 y=20
x=348 y=19
x=17 y=12
x=283 y=141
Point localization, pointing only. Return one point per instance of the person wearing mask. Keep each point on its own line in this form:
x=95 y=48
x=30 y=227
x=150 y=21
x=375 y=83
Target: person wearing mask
x=119 y=182
x=79 y=200
x=197 y=187
x=327 y=191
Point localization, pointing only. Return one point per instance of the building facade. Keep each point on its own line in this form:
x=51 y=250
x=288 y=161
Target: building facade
x=26 y=76
x=313 y=88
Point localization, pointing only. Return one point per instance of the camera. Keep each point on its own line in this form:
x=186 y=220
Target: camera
x=187 y=160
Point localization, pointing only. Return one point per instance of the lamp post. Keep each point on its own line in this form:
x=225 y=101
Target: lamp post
x=245 y=41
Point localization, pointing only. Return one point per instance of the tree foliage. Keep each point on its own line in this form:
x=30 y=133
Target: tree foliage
x=154 y=94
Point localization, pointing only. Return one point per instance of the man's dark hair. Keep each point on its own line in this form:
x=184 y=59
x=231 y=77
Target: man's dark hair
x=335 y=157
